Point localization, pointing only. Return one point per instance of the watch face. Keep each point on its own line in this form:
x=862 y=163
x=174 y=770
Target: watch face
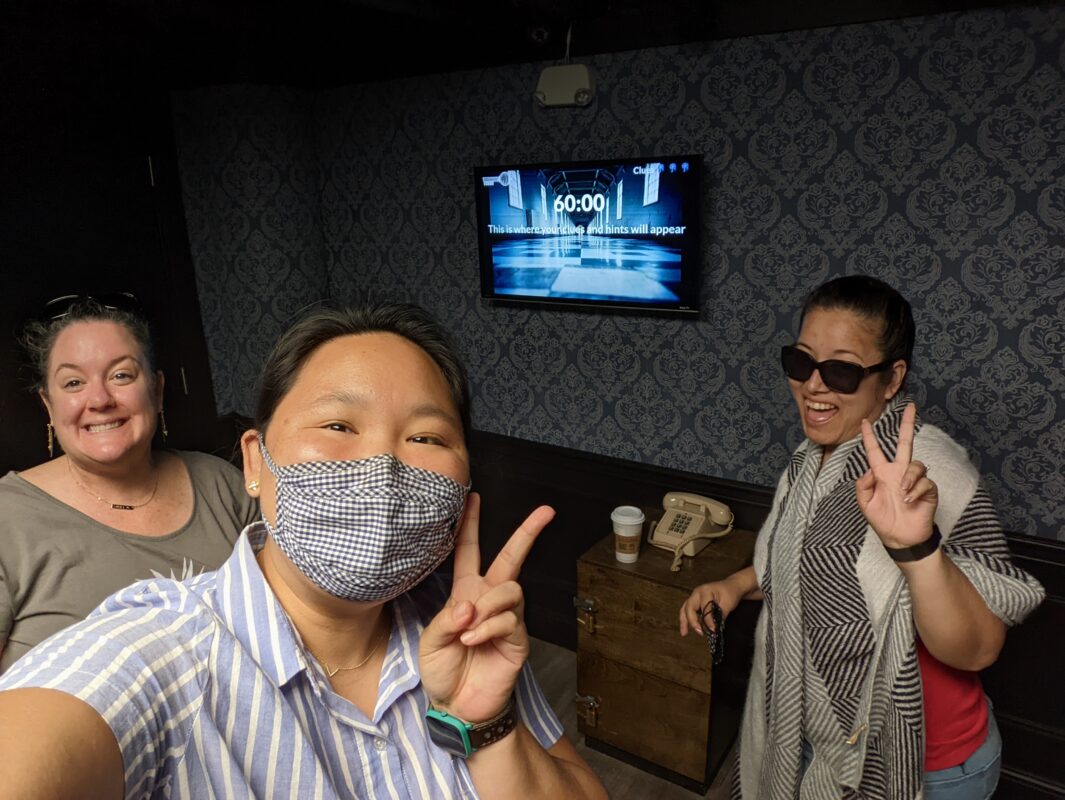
x=448 y=733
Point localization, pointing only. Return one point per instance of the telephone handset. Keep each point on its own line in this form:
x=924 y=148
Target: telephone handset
x=689 y=522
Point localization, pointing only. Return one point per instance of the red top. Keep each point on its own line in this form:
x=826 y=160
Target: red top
x=955 y=712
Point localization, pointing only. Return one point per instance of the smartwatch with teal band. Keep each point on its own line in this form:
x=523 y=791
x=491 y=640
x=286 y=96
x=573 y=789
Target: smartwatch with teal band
x=463 y=739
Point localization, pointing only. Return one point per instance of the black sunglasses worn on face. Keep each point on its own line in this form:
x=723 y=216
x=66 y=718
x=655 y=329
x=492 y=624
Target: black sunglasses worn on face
x=839 y=376
x=60 y=306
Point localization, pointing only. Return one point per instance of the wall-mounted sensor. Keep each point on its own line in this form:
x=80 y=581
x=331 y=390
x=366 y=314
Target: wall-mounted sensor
x=564 y=85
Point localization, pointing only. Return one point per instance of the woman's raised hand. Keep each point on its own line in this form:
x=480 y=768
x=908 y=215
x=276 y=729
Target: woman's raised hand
x=897 y=497
x=472 y=651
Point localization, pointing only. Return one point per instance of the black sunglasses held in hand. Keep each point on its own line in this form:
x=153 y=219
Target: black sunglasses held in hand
x=115 y=301
x=839 y=376
x=715 y=636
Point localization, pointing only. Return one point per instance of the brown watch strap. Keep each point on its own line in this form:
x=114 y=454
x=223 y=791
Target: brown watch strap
x=485 y=733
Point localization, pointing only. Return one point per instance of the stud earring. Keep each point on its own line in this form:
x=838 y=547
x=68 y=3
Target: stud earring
x=162 y=425
x=51 y=439
x=253 y=486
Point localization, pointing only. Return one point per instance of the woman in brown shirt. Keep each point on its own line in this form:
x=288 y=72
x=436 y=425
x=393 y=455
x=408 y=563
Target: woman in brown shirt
x=107 y=508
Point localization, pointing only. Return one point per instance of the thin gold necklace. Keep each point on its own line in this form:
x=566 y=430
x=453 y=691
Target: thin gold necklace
x=335 y=670
x=115 y=506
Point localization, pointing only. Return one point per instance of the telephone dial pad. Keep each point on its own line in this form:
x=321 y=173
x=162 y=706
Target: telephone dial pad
x=680 y=523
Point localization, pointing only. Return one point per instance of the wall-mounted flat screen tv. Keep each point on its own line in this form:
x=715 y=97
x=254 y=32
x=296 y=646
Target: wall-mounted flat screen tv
x=617 y=232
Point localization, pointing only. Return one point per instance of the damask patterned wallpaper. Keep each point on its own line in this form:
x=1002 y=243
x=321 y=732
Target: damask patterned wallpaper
x=928 y=151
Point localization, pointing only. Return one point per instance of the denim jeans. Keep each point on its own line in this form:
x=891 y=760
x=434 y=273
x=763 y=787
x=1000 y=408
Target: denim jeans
x=975 y=779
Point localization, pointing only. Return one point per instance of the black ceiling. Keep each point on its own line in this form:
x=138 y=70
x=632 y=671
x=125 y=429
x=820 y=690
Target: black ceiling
x=331 y=42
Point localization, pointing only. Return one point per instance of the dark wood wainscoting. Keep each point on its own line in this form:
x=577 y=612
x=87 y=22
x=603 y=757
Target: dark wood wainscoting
x=1027 y=684
x=514 y=476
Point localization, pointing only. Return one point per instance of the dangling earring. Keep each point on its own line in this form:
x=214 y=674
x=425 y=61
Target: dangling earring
x=51 y=439
x=162 y=425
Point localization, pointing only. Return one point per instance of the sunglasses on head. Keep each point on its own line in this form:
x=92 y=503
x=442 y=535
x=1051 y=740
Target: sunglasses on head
x=839 y=376
x=59 y=307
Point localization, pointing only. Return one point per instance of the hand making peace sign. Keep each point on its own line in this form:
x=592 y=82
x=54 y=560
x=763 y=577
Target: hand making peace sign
x=472 y=651
x=896 y=496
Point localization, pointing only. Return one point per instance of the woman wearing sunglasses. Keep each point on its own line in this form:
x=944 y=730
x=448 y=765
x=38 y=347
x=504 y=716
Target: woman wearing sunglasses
x=886 y=581
x=106 y=508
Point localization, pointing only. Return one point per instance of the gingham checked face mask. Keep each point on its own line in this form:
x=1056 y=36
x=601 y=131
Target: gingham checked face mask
x=364 y=530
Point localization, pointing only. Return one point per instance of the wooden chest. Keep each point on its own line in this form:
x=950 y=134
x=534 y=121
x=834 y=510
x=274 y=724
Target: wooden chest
x=644 y=694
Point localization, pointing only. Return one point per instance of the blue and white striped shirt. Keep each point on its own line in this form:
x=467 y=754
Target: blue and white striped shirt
x=211 y=694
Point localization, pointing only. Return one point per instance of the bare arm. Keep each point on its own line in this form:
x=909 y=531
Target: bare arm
x=900 y=502
x=518 y=760
x=741 y=585
x=955 y=624
x=54 y=746
x=471 y=655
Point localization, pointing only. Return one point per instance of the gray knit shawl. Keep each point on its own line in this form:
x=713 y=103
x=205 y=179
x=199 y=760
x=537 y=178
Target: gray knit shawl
x=835 y=661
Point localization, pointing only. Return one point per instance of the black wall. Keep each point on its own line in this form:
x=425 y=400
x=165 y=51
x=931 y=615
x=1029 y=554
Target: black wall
x=90 y=202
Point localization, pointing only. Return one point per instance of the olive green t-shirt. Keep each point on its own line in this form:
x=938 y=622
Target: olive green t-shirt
x=57 y=564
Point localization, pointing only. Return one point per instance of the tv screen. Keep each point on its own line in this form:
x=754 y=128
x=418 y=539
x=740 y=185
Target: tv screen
x=617 y=232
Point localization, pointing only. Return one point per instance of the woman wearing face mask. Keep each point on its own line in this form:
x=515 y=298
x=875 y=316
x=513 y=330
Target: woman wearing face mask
x=886 y=578
x=107 y=507
x=322 y=659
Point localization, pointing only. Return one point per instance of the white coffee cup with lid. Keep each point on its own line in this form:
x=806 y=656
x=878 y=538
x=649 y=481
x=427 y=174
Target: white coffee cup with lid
x=628 y=529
